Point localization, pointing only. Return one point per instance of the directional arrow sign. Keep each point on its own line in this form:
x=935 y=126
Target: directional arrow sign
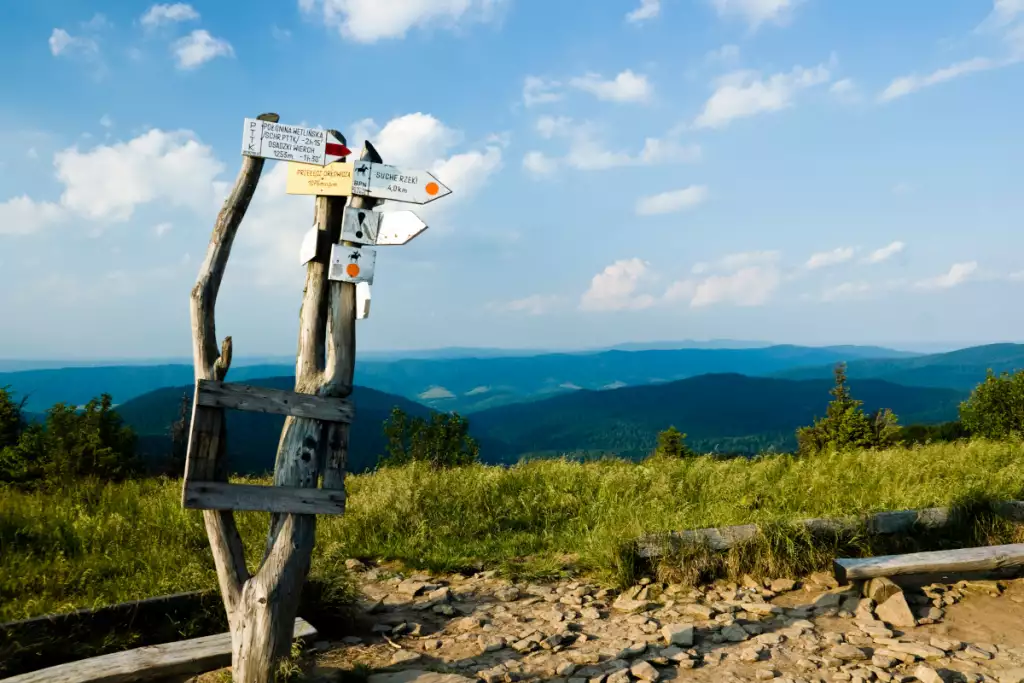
x=399 y=227
x=291 y=143
x=363 y=226
x=401 y=185
x=351 y=264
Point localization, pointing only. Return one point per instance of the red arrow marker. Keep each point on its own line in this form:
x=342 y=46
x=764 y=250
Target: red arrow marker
x=336 y=149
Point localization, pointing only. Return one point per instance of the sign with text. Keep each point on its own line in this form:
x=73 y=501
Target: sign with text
x=351 y=264
x=291 y=143
x=401 y=185
x=334 y=180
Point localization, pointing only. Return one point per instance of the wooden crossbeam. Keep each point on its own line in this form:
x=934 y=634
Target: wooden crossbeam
x=182 y=658
x=213 y=394
x=941 y=561
x=215 y=495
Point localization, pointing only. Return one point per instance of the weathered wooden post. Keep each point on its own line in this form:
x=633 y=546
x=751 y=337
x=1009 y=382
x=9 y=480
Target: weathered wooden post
x=262 y=606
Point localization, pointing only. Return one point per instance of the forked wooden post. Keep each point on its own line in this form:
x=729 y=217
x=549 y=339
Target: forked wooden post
x=262 y=606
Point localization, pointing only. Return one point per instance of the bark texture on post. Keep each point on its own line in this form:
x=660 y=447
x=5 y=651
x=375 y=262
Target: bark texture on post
x=341 y=351
x=262 y=607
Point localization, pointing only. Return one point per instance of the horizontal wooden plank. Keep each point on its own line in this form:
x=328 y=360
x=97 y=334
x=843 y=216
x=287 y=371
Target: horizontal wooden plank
x=215 y=495
x=942 y=561
x=276 y=401
x=182 y=658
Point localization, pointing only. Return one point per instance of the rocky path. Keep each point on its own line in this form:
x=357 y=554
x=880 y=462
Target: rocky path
x=455 y=629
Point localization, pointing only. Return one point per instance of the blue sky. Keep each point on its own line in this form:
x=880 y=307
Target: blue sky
x=804 y=171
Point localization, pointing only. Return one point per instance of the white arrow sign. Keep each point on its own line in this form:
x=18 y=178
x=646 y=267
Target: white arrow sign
x=351 y=264
x=363 y=226
x=401 y=185
x=291 y=143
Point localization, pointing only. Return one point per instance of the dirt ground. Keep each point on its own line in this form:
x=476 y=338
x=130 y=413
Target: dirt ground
x=415 y=627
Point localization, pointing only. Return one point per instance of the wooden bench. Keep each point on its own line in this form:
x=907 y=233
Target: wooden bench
x=963 y=560
x=182 y=658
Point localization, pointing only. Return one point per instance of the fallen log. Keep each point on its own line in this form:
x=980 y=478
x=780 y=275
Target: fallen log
x=935 y=562
x=182 y=658
x=724 y=538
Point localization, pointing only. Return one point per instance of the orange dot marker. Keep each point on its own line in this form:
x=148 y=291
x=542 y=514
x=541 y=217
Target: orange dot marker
x=432 y=188
x=352 y=270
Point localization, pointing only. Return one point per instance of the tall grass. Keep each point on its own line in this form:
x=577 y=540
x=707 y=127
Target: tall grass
x=98 y=544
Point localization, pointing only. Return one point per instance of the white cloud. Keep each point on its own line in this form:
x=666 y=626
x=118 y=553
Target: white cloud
x=159 y=15
x=281 y=34
x=106 y=121
x=537 y=90
x=536 y=304
x=539 y=164
x=744 y=259
x=672 y=201
x=615 y=288
x=626 y=87
x=756 y=12
x=23 y=216
x=199 y=47
x=958 y=274
x=476 y=391
x=109 y=181
x=846 y=290
x=1004 y=13
x=727 y=54
x=420 y=140
x=846 y=90
x=829 y=258
x=162 y=229
x=588 y=151
x=648 y=9
x=751 y=286
x=367 y=21
x=436 y=393
x=32 y=153
x=885 y=253
x=906 y=85
x=63 y=43
x=743 y=93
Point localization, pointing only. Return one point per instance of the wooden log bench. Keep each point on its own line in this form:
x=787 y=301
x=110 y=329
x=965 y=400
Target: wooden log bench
x=182 y=658
x=937 y=562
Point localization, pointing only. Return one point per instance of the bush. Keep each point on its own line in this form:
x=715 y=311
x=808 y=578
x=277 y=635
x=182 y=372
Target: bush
x=845 y=426
x=672 y=444
x=995 y=409
x=442 y=441
x=71 y=444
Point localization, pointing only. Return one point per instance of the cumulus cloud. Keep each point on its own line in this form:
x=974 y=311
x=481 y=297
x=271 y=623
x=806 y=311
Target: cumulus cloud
x=420 y=140
x=625 y=87
x=160 y=15
x=755 y=12
x=63 y=44
x=742 y=94
x=537 y=90
x=109 y=181
x=829 y=258
x=539 y=164
x=885 y=253
x=672 y=201
x=199 y=47
x=588 y=150
x=751 y=286
x=725 y=54
x=958 y=274
x=648 y=9
x=436 y=393
x=367 y=21
x=617 y=287
x=846 y=290
x=535 y=304
x=24 y=216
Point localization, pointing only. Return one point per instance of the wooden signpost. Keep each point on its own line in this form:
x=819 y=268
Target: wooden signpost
x=262 y=605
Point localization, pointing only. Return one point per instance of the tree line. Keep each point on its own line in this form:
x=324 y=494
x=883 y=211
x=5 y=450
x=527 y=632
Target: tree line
x=91 y=441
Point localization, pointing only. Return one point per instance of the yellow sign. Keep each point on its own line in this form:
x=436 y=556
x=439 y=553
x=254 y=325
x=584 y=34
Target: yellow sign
x=333 y=179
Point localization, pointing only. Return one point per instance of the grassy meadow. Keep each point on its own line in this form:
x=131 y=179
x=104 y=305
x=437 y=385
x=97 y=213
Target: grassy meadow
x=97 y=544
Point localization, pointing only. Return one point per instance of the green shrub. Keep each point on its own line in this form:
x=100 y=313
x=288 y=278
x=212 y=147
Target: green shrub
x=995 y=409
